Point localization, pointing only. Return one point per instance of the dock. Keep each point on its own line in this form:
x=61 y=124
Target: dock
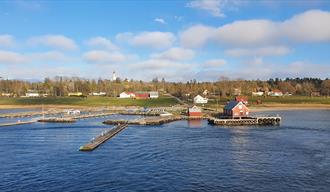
x=102 y=138
x=157 y=120
x=246 y=121
x=56 y=120
x=16 y=123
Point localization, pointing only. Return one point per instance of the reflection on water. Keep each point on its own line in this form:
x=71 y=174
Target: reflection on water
x=179 y=156
x=195 y=123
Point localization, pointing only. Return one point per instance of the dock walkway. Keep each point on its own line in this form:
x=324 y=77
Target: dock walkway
x=246 y=121
x=102 y=138
x=16 y=123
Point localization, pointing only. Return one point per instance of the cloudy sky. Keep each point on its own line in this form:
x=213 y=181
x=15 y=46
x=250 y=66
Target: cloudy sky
x=178 y=40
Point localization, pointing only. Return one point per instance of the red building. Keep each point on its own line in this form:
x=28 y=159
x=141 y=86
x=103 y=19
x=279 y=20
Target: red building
x=235 y=109
x=242 y=99
x=194 y=111
x=142 y=95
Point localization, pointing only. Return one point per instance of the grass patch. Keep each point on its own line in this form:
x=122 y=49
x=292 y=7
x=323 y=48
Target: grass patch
x=89 y=101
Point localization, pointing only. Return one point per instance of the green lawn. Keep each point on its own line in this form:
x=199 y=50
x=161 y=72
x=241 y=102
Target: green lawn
x=89 y=101
x=278 y=100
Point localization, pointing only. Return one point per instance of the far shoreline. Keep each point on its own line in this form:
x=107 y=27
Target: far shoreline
x=264 y=107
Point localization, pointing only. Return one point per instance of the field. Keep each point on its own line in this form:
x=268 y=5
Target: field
x=89 y=101
x=278 y=102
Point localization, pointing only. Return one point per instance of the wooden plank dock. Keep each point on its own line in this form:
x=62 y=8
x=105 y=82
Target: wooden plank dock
x=246 y=121
x=102 y=138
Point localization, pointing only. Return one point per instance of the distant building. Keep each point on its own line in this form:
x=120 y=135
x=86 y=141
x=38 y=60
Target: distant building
x=98 y=94
x=315 y=94
x=75 y=94
x=236 y=109
x=7 y=94
x=275 y=93
x=124 y=95
x=127 y=95
x=153 y=94
x=141 y=95
x=114 y=77
x=73 y=112
x=200 y=100
x=32 y=94
x=194 y=111
x=205 y=92
x=242 y=99
x=259 y=93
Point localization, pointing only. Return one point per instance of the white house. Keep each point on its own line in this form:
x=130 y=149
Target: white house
x=98 y=94
x=153 y=94
x=259 y=93
x=32 y=94
x=275 y=93
x=124 y=95
x=200 y=99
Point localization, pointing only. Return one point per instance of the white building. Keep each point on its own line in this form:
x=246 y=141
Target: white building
x=32 y=95
x=98 y=94
x=114 y=77
x=153 y=94
x=200 y=99
x=126 y=95
x=259 y=93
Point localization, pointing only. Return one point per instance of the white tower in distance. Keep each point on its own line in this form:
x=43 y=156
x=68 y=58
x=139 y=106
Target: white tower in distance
x=114 y=76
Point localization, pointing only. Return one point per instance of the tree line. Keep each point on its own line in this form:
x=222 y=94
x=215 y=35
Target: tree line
x=61 y=86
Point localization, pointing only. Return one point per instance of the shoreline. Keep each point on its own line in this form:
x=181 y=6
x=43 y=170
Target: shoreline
x=264 y=107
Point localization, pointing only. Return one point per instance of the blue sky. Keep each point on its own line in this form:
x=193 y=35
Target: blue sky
x=177 y=40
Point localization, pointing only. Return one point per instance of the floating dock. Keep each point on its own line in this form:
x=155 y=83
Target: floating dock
x=246 y=121
x=102 y=138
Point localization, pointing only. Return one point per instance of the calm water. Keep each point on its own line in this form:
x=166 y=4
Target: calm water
x=179 y=156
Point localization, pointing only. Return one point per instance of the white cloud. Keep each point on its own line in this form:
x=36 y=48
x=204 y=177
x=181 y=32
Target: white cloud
x=160 y=20
x=54 y=41
x=212 y=6
x=104 y=57
x=263 y=51
x=9 y=57
x=175 y=54
x=213 y=63
x=246 y=33
x=155 y=39
x=101 y=42
x=310 y=26
x=196 y=36
x=7 y=41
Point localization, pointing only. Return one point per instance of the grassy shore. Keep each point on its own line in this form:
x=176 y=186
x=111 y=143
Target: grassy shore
x=268 y=103
x=89 y=101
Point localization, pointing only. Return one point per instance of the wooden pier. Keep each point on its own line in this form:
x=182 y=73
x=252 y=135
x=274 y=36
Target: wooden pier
x=102 y=138
x=16 y=123
x=246 y=121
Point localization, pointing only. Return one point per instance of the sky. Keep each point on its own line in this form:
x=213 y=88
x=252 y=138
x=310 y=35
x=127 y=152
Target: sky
x=178 y=40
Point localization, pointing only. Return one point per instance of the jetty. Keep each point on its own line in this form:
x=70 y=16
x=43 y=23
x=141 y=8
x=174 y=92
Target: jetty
x=57 y=120
x=246 y=121
x=157 y=120
x=102 y=138
x=16 y=123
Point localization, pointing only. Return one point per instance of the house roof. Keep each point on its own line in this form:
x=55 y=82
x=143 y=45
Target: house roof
x=198 y=96
x=231 y=105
